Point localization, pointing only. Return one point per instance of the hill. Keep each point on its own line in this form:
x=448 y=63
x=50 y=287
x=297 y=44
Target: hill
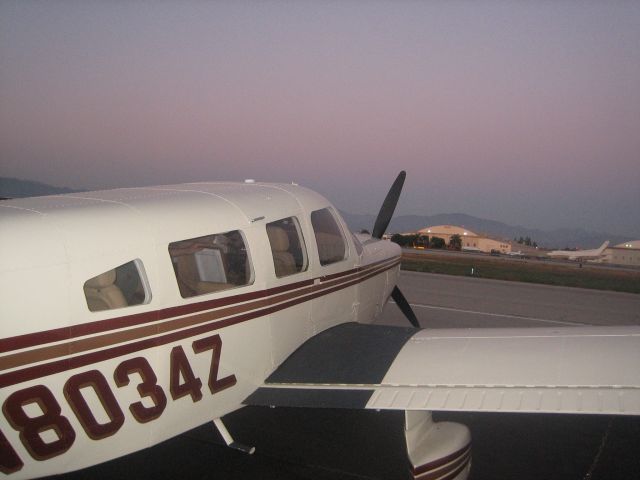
x=559 y=238
x=16 y=188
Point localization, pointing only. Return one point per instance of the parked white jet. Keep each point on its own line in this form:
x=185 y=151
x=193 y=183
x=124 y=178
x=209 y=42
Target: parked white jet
x=130 y=316
x=592 y=254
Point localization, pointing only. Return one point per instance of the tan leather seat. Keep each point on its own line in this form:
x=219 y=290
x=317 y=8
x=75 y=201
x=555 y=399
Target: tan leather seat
x=283 y=261
x=102 y=293
x=331 y=247
x=189 y=281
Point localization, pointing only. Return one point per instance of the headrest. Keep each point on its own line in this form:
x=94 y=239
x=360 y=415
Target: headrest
x=278 y=238
x=103 y=280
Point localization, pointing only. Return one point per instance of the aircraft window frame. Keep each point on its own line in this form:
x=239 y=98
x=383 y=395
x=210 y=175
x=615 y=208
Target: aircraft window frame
x=358 y=244
x=211 y=263
x=328 y=233
x=290 y=257
x=120 y=287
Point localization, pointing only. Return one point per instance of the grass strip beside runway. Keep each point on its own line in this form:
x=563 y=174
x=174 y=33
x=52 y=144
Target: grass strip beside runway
x=532 y=271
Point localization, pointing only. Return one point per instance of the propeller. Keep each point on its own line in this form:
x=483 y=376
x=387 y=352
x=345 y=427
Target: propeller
x=388 y=206
x=382 y=222
x=404 y=306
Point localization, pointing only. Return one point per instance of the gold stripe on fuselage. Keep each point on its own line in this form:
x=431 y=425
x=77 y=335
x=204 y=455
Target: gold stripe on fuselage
x=261 y=307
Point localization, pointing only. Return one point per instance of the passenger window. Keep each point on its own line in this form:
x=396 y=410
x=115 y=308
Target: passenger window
x=123 y=286
x=331 y=244
x=287 y=246
x=210 y=263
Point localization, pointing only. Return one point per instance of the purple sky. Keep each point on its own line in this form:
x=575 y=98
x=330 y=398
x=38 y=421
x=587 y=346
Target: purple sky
x=523 y=112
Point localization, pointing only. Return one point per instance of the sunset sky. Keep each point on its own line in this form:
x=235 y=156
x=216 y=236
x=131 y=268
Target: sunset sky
x=522 y=112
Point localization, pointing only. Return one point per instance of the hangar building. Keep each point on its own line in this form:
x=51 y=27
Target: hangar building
x=470 y=240
x=627 y=253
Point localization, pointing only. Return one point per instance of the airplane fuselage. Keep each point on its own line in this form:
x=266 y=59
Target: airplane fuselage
x=579 y=255
x=122 y=309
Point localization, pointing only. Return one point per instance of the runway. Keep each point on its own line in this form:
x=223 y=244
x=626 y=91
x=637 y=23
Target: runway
x=330 y=444
x=446 y=301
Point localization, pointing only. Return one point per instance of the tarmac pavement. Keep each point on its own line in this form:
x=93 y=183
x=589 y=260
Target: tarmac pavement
x=294 y=444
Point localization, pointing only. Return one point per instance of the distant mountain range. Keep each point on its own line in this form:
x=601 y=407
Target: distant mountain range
x=559 y=238
x=16 y=188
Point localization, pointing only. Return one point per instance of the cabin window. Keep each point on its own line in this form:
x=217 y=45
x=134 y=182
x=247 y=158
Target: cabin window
x=122 y=286
x=211 y=263
x=287 y=246
x=331 y=244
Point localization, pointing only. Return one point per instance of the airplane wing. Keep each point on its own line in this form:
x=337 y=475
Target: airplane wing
x=563 y=370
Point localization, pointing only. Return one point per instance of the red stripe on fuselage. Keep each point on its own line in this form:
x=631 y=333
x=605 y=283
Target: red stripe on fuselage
x=69 y=363
x=65 y=333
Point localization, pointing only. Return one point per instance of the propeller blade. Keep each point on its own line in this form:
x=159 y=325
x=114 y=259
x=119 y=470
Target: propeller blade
x=404 y=306
x=388 y=206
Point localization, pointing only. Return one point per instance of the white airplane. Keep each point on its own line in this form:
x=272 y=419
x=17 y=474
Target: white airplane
x=592 y=254
x=130 y=316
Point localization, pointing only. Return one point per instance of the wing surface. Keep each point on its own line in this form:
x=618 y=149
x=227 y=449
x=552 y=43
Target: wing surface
x=563 y=370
